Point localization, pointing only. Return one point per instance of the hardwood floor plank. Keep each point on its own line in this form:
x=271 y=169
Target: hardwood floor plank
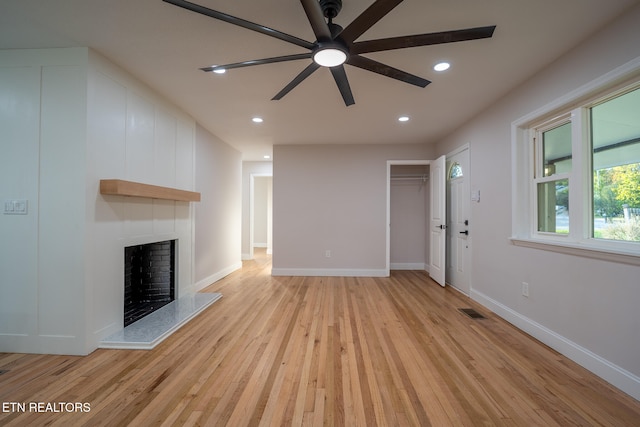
x=302 y=394
x=359 y=408
x=311 y=351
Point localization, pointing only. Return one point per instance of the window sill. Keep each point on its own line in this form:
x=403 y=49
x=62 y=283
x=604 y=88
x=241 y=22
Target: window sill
x=605 y=254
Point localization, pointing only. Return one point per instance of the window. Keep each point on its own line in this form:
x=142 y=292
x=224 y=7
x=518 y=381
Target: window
x=577 y=174
x=455 y=171
x=615 y=136
x=553 y=167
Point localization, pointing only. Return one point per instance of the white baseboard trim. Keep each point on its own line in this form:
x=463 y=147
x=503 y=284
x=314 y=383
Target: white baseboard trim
x=201 y=284
x=408 y=266
x=333 y=272
x=259 y=245
x=615 y=375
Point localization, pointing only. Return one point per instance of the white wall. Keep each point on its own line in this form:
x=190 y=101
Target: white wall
x=42 y=117
x=249 y=169
x=583 y=307
x=74 y=118
x=333 y=198
x=132 y=134
x=218 y=215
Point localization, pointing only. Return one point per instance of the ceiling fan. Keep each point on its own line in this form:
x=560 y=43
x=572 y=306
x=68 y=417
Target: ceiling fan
x=335 y=46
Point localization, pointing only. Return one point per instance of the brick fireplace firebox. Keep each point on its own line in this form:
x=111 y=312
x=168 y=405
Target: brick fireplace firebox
x=149 y=278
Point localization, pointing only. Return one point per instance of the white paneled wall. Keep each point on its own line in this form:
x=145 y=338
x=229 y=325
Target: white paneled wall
x=70 y=118
x=61 y=204
x=19 y=118
x=42 y=115
x=153 y=143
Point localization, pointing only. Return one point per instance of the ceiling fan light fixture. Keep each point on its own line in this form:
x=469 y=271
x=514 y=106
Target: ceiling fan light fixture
x=334 y=44
x=220 y=71
x=330 y=56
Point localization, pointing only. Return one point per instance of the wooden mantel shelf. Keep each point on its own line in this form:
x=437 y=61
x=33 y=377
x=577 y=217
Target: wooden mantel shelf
x=119 y=187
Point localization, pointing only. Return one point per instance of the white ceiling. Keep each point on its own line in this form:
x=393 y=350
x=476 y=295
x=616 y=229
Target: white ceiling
x=164 y=46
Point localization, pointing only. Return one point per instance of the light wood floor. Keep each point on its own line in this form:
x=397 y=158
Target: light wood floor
x=334 y=351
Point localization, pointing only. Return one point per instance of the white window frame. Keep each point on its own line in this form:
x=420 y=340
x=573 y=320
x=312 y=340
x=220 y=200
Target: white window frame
x=575 y=107
x=539 y=178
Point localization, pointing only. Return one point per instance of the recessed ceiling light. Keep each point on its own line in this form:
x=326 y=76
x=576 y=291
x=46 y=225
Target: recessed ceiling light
x=257 y=120
x=266 y=156
x=403 y=119
x=442 y=66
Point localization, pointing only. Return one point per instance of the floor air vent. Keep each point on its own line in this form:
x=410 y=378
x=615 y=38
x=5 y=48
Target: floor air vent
x=472 y=313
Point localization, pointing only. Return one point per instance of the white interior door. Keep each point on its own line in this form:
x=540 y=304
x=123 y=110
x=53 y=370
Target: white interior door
x=437 y=220
x=458 y=242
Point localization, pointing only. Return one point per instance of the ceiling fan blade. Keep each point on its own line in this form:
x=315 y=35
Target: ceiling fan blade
x=367 y=19
x=258 y=62
x=385 y=70
x=316 y=19
x=340 y=76
x=241 y=23
x=423 y=39
x=296 y=81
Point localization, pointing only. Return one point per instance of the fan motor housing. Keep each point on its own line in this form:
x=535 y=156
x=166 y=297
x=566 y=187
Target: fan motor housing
x=331 y=8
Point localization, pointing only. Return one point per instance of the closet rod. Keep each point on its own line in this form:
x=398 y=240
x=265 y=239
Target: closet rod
x=422 y=177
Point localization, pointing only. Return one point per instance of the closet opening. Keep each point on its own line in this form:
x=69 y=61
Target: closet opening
x=408 y=213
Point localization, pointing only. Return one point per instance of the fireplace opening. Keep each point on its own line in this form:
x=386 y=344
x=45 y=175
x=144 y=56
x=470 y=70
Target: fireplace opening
x=149 y=278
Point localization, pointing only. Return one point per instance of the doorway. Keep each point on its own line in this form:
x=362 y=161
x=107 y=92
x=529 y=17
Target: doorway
x=260 y=213
x=459 y=224
x=433 y=241
x=434 y=220
x=409 y=207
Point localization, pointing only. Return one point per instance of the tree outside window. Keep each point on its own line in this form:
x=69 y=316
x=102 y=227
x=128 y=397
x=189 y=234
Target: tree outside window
x=615 y=140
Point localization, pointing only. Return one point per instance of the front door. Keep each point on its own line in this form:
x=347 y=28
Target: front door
x=458 y=229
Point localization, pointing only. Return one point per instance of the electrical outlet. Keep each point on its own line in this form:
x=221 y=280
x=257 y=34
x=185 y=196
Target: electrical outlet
x=525 y=289
x=327 y=253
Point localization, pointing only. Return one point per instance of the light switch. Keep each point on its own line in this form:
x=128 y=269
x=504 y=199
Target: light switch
x=15 y=207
